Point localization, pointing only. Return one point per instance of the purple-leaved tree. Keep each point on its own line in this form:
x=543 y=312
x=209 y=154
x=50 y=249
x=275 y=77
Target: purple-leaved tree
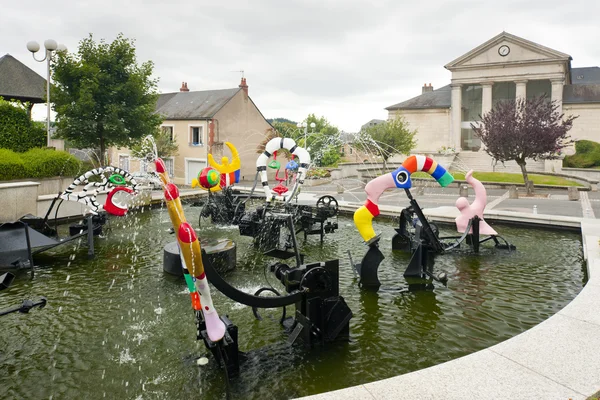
x=524 y=129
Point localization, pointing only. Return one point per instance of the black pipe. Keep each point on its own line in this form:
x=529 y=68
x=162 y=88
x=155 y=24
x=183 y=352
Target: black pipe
x=433 y=239
x=244 y=298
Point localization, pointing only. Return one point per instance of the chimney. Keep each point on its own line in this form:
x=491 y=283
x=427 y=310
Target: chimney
x=244 y=86
x=184 y=87
x=426 y=88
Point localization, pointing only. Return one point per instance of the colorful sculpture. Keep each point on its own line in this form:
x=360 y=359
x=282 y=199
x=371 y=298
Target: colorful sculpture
x=191 y=255
x=280 y=189
x=112 y=180
x=468 y=211
x=208 y=179
x=229 y=172
x=399 y=178
x=261 y=167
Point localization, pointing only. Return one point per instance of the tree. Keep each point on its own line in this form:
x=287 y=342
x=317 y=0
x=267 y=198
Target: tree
x=102 y=97
x=17 y=131
x=387 y=138
x=287 y=129
x=322 y=142
x=163 y=139
x=524 y=129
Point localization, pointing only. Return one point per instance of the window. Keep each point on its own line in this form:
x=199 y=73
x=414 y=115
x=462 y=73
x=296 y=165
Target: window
x=471 y=102
x=124 y=162
x=472 y=96
x=503 y=91
x=196 y=136
x=539 y=88
x=170 y=167
x=168 y=130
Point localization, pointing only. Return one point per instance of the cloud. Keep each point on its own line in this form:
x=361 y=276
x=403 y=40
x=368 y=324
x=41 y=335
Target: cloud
x=346 y=60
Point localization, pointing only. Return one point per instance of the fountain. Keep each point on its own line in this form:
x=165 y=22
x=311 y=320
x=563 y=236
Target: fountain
x=321 y=313
x=116 y=326
x=424 y=241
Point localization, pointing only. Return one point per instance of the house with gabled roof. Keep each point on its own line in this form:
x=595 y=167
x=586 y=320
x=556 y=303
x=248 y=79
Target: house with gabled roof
x=200 y=122
x=505 y=67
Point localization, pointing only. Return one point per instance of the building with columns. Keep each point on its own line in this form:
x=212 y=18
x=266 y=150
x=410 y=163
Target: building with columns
x=505 y=67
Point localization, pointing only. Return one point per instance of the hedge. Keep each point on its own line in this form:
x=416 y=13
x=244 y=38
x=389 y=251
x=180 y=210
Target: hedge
x=11 y=165
x=37 y=163
x=41 y=163
x=17 y=131
x=587 y=155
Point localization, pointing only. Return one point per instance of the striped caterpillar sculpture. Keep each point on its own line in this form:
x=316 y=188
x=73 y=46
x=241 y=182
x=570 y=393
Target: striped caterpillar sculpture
x=112 y=179
x=399 y=178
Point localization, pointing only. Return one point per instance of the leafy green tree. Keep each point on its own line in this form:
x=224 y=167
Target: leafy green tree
x=323 y=142
x=102 y=97
x=387 y=138
x=285 y=128
x=17 y=131
x=524 y=129
x=165 y=145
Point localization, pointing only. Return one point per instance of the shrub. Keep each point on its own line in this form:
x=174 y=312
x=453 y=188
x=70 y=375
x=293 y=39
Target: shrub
x=586 y=146
x=43 y=163
x=316 y=173
x=17 y=131
x=587 y=155
x=11 y=165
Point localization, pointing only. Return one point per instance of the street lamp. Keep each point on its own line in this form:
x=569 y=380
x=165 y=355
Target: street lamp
x=50 y=46
x=305 y=126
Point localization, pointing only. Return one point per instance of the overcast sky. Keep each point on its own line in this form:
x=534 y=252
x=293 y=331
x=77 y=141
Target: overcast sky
x=343 y=59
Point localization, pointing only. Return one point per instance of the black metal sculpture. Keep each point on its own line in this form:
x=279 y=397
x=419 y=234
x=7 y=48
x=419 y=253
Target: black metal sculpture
x=321 y=314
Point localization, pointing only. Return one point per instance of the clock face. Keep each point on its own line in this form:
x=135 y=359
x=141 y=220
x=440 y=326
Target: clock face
x=503 y=50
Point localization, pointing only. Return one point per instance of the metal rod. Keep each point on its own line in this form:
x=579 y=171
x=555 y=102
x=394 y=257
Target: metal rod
x=294 y=242
x=90 y=225
x=29 y=253
x=48 y=56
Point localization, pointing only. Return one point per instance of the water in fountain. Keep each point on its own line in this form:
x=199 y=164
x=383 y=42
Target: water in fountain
x=117 y=326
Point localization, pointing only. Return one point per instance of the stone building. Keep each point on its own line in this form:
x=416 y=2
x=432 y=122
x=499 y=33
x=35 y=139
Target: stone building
x=505 y=67
x=200 y=122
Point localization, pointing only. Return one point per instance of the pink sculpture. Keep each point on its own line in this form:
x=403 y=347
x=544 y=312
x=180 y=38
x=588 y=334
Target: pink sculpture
x=468 y=211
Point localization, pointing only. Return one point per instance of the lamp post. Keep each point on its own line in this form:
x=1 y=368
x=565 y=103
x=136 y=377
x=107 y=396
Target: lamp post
x=305 y=126
x=50 y=46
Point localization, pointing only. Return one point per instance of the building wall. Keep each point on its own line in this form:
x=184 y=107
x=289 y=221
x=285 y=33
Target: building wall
x=587 y=126
x=181 y=133
x=433 y=127
x=186 y=150
x=242 y=124
x=238 y=122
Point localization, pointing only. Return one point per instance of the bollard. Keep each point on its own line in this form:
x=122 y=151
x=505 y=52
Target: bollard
x=513 y=193
x=534 y=209
x=340 y=189
x=464 y=191
x=573 y=193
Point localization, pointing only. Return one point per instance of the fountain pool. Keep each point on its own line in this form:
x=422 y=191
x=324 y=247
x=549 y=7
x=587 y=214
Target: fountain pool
x=117 y=326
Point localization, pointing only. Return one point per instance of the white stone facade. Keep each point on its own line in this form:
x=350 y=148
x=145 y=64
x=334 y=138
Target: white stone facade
x=503 y=68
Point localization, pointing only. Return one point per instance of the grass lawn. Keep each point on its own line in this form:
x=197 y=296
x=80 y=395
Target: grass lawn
x=508 y=178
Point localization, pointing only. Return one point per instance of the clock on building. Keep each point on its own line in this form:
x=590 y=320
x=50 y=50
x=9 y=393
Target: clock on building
x=503 y=50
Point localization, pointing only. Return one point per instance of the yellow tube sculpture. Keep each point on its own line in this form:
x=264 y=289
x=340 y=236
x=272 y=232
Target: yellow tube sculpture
x=191 y=254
